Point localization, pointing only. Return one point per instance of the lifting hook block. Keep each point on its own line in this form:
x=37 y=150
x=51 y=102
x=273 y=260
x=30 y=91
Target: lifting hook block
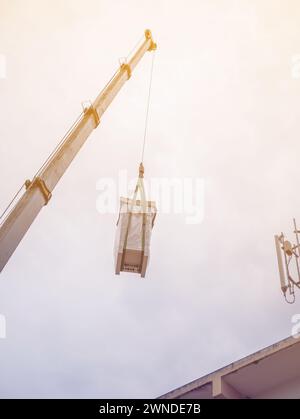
x=141 y=170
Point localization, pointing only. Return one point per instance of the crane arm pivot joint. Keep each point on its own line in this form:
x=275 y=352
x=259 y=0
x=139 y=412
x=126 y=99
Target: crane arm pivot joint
x=39 y=183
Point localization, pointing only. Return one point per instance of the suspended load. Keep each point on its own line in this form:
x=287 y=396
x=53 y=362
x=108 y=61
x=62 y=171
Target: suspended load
x=134 y=227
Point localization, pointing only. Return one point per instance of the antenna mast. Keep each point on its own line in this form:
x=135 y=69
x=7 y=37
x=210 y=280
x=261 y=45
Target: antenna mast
x=291 y=254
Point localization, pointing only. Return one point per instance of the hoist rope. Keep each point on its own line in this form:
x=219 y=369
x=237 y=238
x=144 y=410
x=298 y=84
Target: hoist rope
x=148 y=105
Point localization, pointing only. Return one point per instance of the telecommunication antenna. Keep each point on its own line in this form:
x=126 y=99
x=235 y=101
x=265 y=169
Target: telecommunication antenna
x=290 y=261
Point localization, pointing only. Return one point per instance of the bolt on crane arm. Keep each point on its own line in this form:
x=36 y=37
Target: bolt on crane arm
x=39 y=190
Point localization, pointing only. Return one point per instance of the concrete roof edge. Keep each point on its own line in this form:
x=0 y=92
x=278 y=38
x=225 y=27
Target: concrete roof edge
x=243 y=362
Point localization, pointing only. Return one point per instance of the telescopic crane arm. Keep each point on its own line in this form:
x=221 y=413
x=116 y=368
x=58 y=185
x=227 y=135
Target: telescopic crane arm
x=39 y=190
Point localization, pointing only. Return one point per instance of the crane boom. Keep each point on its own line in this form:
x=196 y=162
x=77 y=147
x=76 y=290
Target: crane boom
x=38 y=191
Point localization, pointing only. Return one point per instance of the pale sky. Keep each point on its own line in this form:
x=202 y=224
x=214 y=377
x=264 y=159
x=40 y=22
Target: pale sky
x=225 y=108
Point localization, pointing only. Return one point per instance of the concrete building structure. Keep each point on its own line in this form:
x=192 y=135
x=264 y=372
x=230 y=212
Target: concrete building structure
x=271 y=373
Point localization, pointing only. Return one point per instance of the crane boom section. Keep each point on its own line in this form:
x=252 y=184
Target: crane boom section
x=39 y=190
